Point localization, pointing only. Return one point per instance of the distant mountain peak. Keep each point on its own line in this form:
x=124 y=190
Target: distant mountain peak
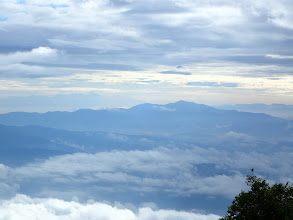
x=189 y=106
x=183 y=106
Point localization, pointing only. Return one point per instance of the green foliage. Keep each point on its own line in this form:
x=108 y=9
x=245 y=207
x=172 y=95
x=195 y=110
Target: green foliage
x=262 y=201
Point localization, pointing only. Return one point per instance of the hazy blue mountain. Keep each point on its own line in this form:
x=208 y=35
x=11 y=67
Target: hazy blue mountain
x=277 y=110
x=180 y=155
x=175 y=118
x=22 y=144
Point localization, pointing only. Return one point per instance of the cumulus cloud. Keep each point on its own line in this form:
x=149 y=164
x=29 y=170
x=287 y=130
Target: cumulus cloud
x=148 y=214
x=26 y=208
x=23 y=207
x=16 y=64
x=35 y=55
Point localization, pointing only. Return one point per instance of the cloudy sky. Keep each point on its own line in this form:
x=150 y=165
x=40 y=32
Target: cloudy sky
x=70 y=54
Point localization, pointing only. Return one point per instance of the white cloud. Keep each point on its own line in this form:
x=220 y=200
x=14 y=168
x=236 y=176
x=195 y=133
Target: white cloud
x=14 y=64
x=206 y=16
x=277 y=56
x=240 y=137
x=35 y=55
x=26 y=208
x=149 y=214
x=162 y=108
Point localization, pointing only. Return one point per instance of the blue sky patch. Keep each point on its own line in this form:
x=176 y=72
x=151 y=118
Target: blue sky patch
x=22 y=2
x=54 y=6
x=3 y=19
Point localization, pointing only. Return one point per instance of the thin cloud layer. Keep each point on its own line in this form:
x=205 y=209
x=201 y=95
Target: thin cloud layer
x=172 y=171
x=176 y=172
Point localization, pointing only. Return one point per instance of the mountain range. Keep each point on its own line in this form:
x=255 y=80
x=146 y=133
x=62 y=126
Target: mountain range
x=175 y=118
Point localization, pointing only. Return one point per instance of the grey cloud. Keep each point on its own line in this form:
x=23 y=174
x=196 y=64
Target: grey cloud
x=212 y=84
x=29 y=71
x=176 y=72
x=6 y=189
x=148 y=81
x=96 y=66
x=261 y=60
x=14 y=64
x=277 y=56
x=147 y=32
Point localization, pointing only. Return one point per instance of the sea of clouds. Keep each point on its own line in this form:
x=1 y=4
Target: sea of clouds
x=27 y=208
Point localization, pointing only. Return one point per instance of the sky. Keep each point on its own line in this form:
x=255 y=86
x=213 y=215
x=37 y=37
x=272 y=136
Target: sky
x=72 y=54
